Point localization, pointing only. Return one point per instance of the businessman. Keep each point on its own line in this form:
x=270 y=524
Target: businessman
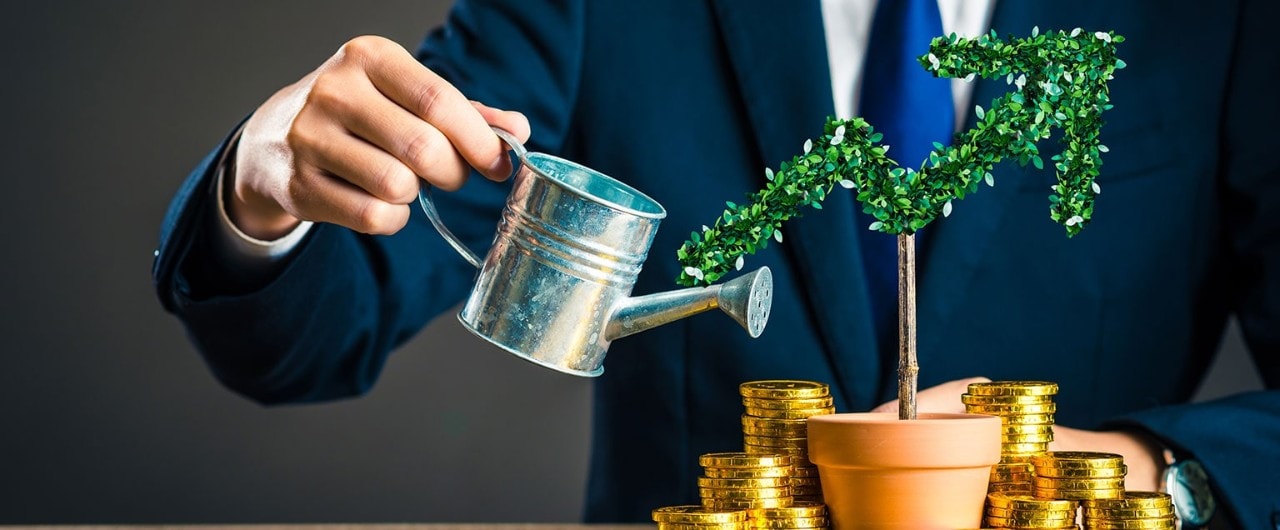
x=293 y=254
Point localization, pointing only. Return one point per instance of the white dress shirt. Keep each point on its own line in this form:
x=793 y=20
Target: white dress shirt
x=847 y=24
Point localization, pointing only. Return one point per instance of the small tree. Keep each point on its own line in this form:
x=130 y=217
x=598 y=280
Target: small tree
x=1061 y=82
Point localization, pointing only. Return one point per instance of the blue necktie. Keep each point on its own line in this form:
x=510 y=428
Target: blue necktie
x=912 y=109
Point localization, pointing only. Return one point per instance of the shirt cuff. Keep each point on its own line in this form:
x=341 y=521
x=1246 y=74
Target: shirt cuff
x=240 y=248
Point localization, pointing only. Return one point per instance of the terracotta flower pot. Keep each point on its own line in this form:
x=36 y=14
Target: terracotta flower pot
x=879 y=472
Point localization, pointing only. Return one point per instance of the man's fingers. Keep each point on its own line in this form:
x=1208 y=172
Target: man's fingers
x=412 y=86
x=317 y=196
x=421 y=147
x=941 y=398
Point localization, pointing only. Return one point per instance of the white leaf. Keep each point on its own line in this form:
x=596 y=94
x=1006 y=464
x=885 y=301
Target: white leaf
x=1103 y=36
x=1008 y=79
x=777 y=235
x=1075 y=220
x=694 y=272
x=846 y=184
x=808 y=146
x=969 y=78
x=835 y=140
x=1020 y=81
x=1104 y=149
x=1096 y=188
x=933 y=60
x=768 y=174
x=740 y=263
x=1035 y=30
x=705 y=228
x=991 y=180
x=1067 y=76
x=876 y=226
x=1075 y=32
x=977 y=110
x=839 y=131
x=946 y=209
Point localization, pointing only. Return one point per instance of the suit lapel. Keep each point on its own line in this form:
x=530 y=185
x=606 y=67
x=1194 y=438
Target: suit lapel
x=778 y=53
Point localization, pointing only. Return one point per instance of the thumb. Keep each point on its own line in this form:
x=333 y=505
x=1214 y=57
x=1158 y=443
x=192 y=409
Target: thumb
x=511 y=121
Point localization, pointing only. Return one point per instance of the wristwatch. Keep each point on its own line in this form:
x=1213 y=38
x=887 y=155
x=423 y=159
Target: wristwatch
x=1186 y=481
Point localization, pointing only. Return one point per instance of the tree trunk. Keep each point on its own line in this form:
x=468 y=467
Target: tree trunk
x=908 y=369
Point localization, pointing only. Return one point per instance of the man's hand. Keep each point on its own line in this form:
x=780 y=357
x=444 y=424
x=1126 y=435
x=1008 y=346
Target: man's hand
x=1142 y=454
x=348 y=143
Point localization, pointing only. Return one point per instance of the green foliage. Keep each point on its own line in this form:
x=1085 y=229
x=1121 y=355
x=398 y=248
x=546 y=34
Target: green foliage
x=1061 y=82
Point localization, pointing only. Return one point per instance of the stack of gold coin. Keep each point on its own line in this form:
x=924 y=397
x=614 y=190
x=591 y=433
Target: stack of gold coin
x=1138 y=510
x=742 y=481
x=1005 y=510
x=694 y=517
x=776 y=423
x=801 y=515
x=1026 y=411
x=1078 y=475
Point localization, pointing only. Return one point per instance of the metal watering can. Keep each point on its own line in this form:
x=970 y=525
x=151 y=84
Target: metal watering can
x=555 y=287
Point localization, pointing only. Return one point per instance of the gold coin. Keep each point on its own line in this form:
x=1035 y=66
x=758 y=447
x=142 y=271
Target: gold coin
x=805 y=469
x=748 y=472
x=704 y=526
x=1010 y=513
x=1084 y=472
x=778 y=432
x=743 y=460
x=788 y=404
x=790 y=522
x=691 y=513
x=1020 y=428
x=1027 y=438
x=1024 y=449
x=1020 y=478
x=753 y=493
x=807 y=499
x=1077 y=460
x=1135 y=500
x=1157 y=523
x=1019 y=488
x=1000 y=410
x=1126 y=513
x=1077 y=483
x=799 y=509
x=1001 y=522
x=1019 y=388
x=798 y=452
x=805 y=481
x=806 y=490
x=1026 y=419
x=1004 y=399
x=771 y=441
x=1004 y=469
x=715 y=503
x=769 y=482
x=1025 y=502
x=784 y=389
x=801 y=424
x=1077 y=495
x=1007 y=458
x=788 y=414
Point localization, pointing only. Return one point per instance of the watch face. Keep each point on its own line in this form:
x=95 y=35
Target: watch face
x=1188 y=484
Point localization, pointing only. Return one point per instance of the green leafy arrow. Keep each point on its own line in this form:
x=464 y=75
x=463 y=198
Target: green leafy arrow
x=1061 y=82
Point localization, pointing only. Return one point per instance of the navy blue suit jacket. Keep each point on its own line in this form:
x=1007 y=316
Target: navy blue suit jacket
x=689 y=101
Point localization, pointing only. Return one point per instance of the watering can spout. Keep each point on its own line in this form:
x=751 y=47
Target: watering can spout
x=747 y=299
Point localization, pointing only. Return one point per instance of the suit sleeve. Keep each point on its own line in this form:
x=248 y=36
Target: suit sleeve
x=1237 y=439
x=323 y=327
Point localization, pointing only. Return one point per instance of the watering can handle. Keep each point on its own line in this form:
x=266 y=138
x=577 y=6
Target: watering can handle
x=429 y=205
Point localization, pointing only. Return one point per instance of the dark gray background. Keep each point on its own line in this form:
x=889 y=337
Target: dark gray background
x=107 y=415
